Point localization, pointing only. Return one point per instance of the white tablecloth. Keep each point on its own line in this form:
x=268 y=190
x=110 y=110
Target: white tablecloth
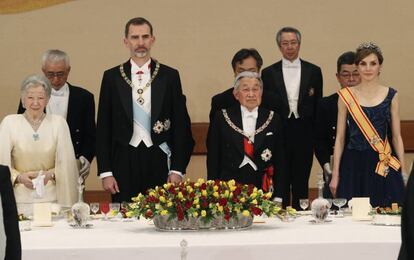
x=341 y=239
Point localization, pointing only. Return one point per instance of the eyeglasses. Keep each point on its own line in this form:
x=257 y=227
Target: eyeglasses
x=59 y=75
x=347 y=75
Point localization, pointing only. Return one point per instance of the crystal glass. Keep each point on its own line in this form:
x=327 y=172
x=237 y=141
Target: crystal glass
x=339 y=202
x=114 y=208
x=94 y=207
x=104 y=206
x=304 y=203
x=329 y=204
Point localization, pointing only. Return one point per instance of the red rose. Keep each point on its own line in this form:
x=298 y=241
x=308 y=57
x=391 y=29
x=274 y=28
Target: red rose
x=256 y=211
x=204 y=203
x=203 y=186
x=222 y=202
x=180 y=214
x=237 y=191
x=148 y=213
x=188 y=204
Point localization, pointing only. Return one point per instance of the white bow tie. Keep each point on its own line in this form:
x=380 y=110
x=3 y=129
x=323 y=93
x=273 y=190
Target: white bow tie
x=250 y=114
x=58 y=93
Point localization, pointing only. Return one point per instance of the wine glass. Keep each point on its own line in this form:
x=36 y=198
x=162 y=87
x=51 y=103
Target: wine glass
x=339 y=202
x=114 y=207
x=304 y=204
x=104 y=206
x=329 y=205
x=94 y=207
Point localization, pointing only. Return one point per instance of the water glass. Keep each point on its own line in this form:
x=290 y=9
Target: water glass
x=339 y=202
x=304 y=203
x=94 y=207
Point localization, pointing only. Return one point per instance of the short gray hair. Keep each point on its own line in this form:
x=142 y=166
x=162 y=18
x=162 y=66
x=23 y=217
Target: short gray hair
x=287 y=30
x=247 y=74
x=34 y=81
x=55 y=56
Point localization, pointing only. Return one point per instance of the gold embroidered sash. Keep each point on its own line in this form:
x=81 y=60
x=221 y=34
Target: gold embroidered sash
x=383 y=148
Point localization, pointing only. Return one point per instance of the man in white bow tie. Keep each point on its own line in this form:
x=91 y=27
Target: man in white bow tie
x=246 y=140
x=75 y=104
x=298 y=85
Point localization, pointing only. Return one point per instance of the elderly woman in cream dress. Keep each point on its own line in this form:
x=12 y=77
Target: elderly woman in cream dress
x=35 y=144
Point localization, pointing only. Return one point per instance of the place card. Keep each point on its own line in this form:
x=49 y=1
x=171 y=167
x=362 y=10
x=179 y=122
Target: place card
x=42 y=214
x=361 y=208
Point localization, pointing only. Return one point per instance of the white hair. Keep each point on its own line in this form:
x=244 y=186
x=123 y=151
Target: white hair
x=55 y=56
x=247 y=74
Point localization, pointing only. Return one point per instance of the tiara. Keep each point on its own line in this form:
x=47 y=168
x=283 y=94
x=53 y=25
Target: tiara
x=370 y=46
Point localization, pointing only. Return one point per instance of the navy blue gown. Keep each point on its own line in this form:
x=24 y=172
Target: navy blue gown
x=357 y=176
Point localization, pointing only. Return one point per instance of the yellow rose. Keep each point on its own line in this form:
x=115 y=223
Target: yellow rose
x=254 y=201
x=203 y=213
x=167 y=186
x=226 y=194
x=197 y=206
x=204 y=193
x=232 y=188
x=195 y=214
x=231 y=182
x=220 y=208
x=254 y=190
x=246 y=213
x=200 y=180
x=151 y=193
x=242 y=200
x=180 y=195
x=253 y=195
x=215 y=188
x=169 y=204
x=164 y=212
x=268 y=195
x=189 y=189
x=129 y=214
x=162 y=199
x=196 y=201
x=215 y=194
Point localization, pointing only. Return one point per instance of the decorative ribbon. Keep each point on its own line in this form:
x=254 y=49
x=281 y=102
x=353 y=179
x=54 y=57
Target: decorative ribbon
x=248 y=148
x=267 y=179
x=383 y=148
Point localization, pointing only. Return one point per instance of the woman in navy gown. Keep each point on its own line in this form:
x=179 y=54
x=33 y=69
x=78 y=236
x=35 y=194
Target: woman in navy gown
x=354 y=172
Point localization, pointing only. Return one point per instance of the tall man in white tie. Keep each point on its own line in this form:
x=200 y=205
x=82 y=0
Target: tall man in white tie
x=143 y=130
x=74 y=103
x=298 y=84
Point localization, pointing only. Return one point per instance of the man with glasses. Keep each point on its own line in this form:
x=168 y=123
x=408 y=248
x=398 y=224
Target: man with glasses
x=326 y=116
x=298 y=84
x=76 y=104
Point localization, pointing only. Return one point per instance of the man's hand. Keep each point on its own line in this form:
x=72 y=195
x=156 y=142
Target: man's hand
x=85 y=166
x=175 y=178
x=109 y=184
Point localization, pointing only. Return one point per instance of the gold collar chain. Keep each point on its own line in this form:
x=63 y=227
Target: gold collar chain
x=140 y=91
x=240 y=131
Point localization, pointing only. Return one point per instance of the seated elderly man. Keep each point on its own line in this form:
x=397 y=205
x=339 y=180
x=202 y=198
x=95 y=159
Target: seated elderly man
x=246 y=140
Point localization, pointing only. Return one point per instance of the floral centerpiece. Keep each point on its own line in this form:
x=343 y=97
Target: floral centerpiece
x=203 y=204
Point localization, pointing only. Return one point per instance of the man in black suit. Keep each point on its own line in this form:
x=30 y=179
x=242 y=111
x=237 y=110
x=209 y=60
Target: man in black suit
x=407 y=221
x=326 y=116
x=74 y=103
x=246 y=142
x=10 y=220
x=298 y=84
x=143 y=130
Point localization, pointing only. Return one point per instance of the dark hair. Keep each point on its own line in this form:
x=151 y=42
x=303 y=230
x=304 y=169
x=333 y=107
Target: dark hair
x=346 y=58
x=243 y=54
x=137 y=21
x=287 y=30
x=366 y=49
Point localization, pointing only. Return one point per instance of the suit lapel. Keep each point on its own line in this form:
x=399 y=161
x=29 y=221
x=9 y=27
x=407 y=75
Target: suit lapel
x=234 y=114
x=279 y=78
x=71 y=113
x=304 y=78
x=259 y=138
x=125 y=90
x=158 y=88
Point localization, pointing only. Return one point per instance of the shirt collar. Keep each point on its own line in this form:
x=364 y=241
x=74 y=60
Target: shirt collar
x=146 y=68
x=63 y=91
x=246 y=113
x=293 y=64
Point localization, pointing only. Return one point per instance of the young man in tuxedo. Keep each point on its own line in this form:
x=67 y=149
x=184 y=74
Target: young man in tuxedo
x=246 y=142
x=74 y=103
x=326 y=116
x=298 y=86
x=143 y=130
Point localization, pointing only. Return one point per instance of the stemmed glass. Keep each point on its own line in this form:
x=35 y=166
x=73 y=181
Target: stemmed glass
x=329 y=205
x=339 y=202
x=94 y=207
x=304 y=204
x=104 y=206
x=114 y=207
